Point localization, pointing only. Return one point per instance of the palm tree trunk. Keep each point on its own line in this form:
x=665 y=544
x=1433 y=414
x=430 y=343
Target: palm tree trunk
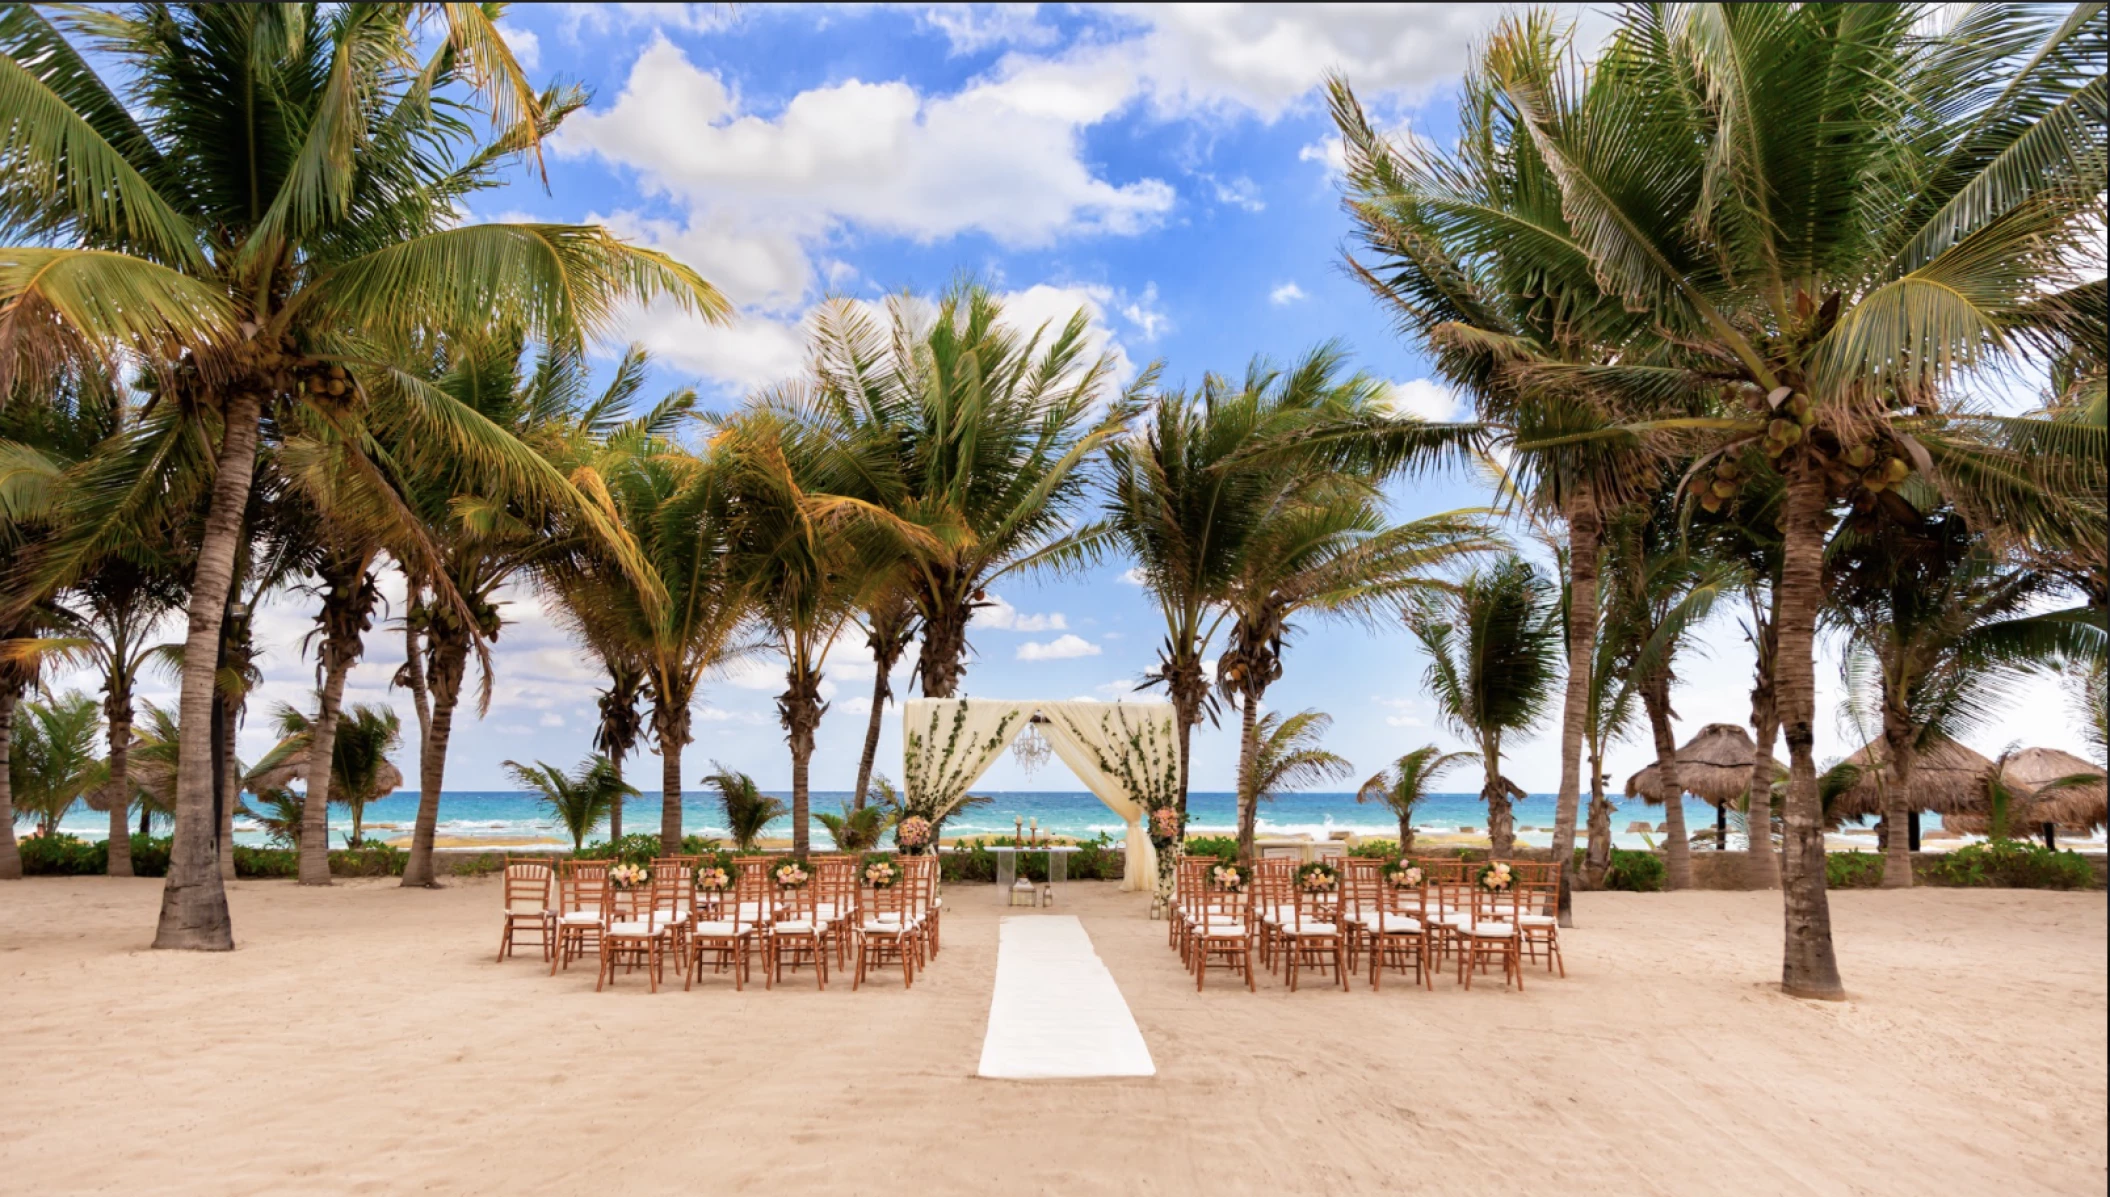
x=1501 y=819
x=881 y=691
x=1809 y=968
x=939 y=666
x=358 y=825
x=450 y=660
x=1763 y=869
x=194 y=899
x=146 y=816
x=1406 y=833
x=1248 y=759
x=1677 y=849
x=10 y=851
x=800 y=710
x=669 y=796
x=615 y=809
x=1598 y=857
x=230 y=783
x=322 y=749
x=120 y=718
x=1575 y=714
x=1897 y=852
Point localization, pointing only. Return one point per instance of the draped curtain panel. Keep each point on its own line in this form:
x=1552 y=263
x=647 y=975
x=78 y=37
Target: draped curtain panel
x=1081 y=734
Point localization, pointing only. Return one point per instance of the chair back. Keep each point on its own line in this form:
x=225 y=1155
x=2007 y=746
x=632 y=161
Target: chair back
x=753 y=892
x=796 y=903
x=895 y=903
x=1360 y=878
x=1223 y=910
x=582 y=885
x=527 y=886
x=1273 y=878
x=674 y=885
x=837 y=877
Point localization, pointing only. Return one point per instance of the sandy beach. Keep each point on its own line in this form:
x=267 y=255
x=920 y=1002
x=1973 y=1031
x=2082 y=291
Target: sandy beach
x=362 y=1040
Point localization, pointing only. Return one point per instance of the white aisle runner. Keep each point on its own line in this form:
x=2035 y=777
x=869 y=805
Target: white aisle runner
x=1056 y=1011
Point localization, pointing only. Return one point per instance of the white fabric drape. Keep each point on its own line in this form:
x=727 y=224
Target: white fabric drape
x=1077 y=732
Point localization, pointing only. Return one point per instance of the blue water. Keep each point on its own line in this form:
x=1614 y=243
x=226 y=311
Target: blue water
x=504 y=815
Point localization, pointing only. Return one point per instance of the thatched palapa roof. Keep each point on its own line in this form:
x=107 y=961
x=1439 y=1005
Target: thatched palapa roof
x=2029 y=771
x=1947 y=778
x=1714 y=765
x=388 y=780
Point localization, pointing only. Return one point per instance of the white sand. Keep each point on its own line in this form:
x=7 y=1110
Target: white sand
x=361 y=1040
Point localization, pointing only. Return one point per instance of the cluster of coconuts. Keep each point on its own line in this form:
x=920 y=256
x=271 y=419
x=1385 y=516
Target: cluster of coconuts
x=1863 y=471
x=326 y=382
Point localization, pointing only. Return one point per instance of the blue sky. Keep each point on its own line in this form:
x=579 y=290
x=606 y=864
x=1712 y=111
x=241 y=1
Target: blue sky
x=1166 y=169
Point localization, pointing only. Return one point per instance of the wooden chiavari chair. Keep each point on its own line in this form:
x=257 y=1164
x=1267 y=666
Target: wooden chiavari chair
x=581 y=888
x=889 y=928
x=1224 y=929
x=674 y=904
x=797 y=933
x=1491 y=937
x=1396 y=932
x=527 y=906
x=1187 y=889
x=725 y=927
x=837 y=900
x=1360 y=877
x=631 y=936
x=1273 y=905
x=1538 y=913
x=1312 y=935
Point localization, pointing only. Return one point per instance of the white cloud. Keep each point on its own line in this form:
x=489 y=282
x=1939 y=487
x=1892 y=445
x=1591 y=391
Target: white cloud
x=1062 y=648
x=1142 y=312
x=972 y=28
x=1286 y=294
x=1427 y=398
x=526 y=47
x=1004 y=617
x=1133 y=576
x=1240 y=192
x=1332 y=152
x=551 y=719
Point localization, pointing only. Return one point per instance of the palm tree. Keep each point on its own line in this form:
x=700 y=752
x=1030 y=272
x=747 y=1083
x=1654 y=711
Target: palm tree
x=620 y=728
x=1403 y=786
x=276 y=202
x=748 y=811
x=890 y=625
x=1471 y=249
x=1947 y=621
x=1328 y=552
x=983 y=428
x=808 y=559
x=1289 y=757
x=1188 y=496
x=280 y=813
x=672 y=505
x=1837 y=212
x=1664 y=588
x=857 y=828
x=360 y=771
x=54 y=763
x=483 y=538
x=121 y=603
x=581 y=800
x=1493 y=646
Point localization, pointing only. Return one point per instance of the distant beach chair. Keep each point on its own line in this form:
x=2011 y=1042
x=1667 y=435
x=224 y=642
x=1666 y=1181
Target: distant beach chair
x=527 y=906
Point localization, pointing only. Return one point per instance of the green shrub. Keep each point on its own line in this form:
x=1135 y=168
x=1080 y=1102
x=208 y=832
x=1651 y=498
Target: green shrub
x=638 y=848
x=1376 y=849
x=971 y=861
x=1222 y=847
x=1631 y=870
x=2013 y=863
x=1853 y=869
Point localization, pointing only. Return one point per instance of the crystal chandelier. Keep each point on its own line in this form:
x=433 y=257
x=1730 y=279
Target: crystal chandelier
x=1031 y=748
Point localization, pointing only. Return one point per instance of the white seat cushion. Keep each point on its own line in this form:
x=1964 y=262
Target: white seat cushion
x=580 y=918
x=1387 y=924
x=639 y=930
x=1493 y=930
x=800 y=927
x=722 y=930
x=1314 y=927
x=1224 y=931
x=1538 y=920
x=887 y=927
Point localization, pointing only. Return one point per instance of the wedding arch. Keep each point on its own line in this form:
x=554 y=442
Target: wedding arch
x=1124 y=753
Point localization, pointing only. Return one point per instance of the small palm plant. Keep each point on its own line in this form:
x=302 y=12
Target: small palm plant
x=857 y=829
x=748 y=811
x=54 y=761
x=1289 y=756
x=278 y=811
x=581 y=799
x=1403 y=786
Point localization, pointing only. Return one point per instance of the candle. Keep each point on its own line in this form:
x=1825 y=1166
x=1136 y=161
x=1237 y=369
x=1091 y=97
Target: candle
x=1018 y=829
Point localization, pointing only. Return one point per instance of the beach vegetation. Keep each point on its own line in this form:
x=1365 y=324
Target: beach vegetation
x=1407 y=783
x=2016 y=864
x=581 y=799
x=748 y=811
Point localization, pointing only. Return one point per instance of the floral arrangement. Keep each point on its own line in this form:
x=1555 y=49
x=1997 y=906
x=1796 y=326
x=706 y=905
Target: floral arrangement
x=628 y=876
x=792 y=874
x=1405 y=874
x=1165 y=824
x=1225 y=876
x=1318 y=877
x=1496 y=877
x=913 y=831
x=713 y=878
x=880 y=872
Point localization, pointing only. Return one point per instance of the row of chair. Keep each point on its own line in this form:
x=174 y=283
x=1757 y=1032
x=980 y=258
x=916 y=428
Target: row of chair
x=667 y=916
x=1412 y=928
